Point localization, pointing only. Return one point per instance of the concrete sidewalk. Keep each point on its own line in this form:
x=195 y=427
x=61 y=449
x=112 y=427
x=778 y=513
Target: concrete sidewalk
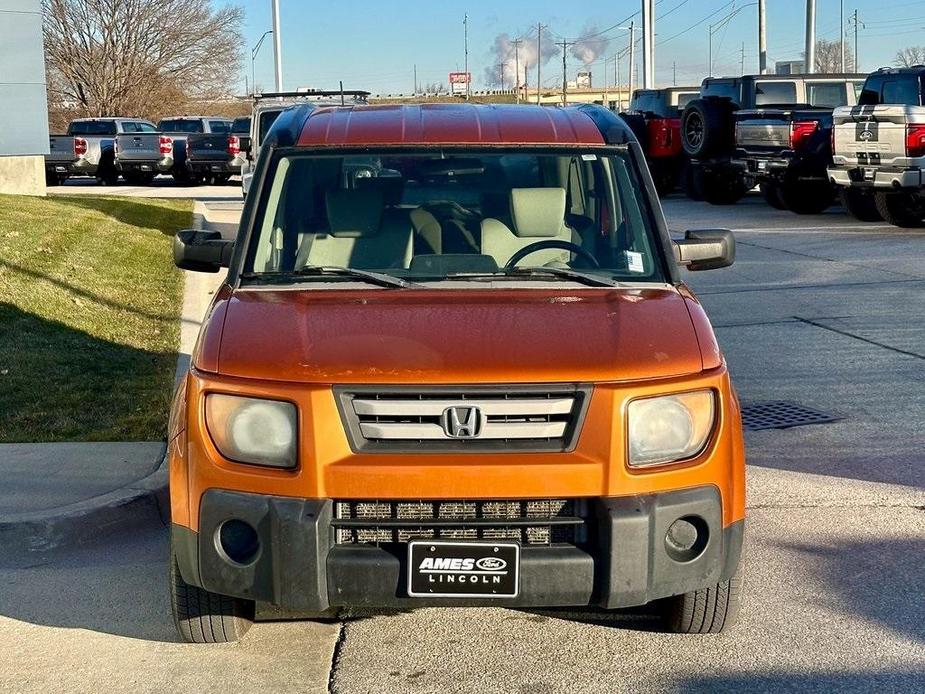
x=57 y=494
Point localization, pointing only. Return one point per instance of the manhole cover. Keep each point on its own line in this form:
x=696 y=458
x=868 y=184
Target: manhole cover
x=782 y=415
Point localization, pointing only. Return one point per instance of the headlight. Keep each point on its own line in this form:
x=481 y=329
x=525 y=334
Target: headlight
x=250 y=430
x=669 y=428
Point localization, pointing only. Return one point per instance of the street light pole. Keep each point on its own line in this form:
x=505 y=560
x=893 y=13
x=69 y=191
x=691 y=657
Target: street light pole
x=254 y=52
x=277 y=48
x=466 y=49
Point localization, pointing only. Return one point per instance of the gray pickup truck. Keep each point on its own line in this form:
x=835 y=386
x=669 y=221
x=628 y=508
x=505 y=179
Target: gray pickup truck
x=88 y=148
x=786 y=149
x=164 y=150
x=879 y=147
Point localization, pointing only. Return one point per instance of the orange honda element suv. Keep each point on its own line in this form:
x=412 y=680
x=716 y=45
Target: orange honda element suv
x=453 y=364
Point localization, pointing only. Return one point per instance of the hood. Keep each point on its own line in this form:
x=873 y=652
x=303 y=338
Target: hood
x=467 y=336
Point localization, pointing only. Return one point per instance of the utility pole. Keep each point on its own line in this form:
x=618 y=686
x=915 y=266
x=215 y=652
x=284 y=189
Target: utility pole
x=854 y=20
x=539 y=60
x=616 y=78
x=648 y=44
x=632 y=56
x=841 y=32
x=565 y=44
x=415 y=79
x=762 y=38
x=277 y=48
x=466 y=49
x=501 y=67
x=742 y=71
x=516 y=43
x=810 y=51
x=674 y=73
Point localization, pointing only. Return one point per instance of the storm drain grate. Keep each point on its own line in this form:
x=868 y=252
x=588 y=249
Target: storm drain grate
x=782 y=415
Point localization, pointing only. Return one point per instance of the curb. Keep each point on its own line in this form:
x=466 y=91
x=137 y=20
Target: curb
x=142 y=502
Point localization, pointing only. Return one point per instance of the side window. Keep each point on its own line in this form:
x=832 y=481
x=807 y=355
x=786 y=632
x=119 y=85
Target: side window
x=775 y=93
x=684 y=98
x=145 y=127
x=219 y=126
x=724 y=90
x=902 y=90
x=830 y=94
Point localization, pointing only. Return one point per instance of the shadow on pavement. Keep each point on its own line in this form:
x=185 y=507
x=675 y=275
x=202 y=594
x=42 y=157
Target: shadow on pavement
x=823 y=682
x=115 y=587
x=880 y=581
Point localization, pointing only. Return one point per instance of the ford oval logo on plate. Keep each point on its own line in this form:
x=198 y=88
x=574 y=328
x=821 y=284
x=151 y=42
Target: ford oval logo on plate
x=491 y=564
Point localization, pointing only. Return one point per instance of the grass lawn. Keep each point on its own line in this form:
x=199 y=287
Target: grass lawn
x=89 y=317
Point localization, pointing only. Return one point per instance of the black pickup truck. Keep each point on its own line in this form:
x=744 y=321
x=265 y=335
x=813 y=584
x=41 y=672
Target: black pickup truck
x=709 y=128
x=787 y=150
x=210 y=154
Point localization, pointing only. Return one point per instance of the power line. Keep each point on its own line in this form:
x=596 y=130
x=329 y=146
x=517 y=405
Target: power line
x=697 y=24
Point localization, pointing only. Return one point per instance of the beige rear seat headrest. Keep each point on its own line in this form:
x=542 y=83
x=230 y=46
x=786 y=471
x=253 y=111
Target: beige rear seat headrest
x=354 y=213
x=538 y=211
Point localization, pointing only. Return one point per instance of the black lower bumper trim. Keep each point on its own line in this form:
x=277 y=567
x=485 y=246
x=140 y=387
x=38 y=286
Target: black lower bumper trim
x=299 y=568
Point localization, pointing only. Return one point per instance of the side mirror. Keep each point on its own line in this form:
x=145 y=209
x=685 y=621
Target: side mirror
x=201 y=251
x=706 y=249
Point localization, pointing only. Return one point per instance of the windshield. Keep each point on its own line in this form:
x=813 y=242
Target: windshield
x=178 y=125
x=461 y=215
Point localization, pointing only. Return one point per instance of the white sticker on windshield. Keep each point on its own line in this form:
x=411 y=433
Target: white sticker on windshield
x=634 y=262
x=589 y=157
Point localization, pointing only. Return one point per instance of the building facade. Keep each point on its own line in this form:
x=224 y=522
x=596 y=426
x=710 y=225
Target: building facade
x=23 y=100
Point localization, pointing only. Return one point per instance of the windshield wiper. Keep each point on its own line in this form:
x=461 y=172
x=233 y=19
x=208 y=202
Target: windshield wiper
x=518 y=272
x=378 y=278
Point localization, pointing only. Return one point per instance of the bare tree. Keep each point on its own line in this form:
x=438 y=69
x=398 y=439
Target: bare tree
x=139 y=57
x=828 y=56
x=907 y=57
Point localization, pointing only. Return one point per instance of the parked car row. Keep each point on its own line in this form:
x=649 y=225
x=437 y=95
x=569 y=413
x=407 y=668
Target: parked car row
x=805 y=140
x=191 y=149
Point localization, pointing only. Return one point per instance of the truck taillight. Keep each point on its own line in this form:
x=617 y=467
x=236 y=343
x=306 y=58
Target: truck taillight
x=234 y=145
x=80 y=146
x=166 y=144
x=800 y=132
x=915 y=141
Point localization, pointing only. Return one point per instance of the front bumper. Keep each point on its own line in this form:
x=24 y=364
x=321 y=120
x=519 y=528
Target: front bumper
x=872 y=177
x=301 y=569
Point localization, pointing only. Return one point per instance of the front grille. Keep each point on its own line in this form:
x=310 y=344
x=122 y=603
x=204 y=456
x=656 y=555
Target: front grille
x=530 y=522
x=540 y=419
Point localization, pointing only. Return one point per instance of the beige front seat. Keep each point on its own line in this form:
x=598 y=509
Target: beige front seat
x=359 y=234
x=537 y=214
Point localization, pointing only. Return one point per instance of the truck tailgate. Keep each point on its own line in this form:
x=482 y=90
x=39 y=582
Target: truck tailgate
x=873 y=134
x=763 y=131
x=139 y=147
x=61 y=149
x=207 y=147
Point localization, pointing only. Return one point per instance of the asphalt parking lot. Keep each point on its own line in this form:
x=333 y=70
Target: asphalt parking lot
x=819 y=311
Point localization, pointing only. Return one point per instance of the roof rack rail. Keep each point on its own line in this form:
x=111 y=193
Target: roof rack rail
x=313 y=93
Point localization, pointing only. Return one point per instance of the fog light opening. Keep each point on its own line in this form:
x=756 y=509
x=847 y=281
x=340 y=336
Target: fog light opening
x=237 y=542
x=687 y=538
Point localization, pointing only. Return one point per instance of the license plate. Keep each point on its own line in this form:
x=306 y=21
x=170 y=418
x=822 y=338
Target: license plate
x=869 y=174
x=762 y=166
x=463 y=569
x=60 y=169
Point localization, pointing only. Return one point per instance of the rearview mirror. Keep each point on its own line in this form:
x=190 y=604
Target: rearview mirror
x=201 y=251
x=706 y=249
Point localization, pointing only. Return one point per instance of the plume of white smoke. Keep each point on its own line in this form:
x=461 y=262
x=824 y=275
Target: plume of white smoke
x=589 y=46
x=503 y=59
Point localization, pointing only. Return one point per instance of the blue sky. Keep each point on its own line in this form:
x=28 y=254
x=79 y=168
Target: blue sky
x=375 y=45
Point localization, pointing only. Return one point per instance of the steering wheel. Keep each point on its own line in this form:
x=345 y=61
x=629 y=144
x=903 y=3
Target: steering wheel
x=550 y=244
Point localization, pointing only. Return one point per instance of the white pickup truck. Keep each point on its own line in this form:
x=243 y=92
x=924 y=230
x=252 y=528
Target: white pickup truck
x=879 y=148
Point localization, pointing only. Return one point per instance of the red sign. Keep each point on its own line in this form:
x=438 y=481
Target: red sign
x=459 y=81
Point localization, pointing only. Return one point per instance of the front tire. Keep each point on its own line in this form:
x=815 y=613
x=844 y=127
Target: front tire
x=204 y=617
x=720 y=188
x=771 y=193
x=706 y=611
x=901 y=209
